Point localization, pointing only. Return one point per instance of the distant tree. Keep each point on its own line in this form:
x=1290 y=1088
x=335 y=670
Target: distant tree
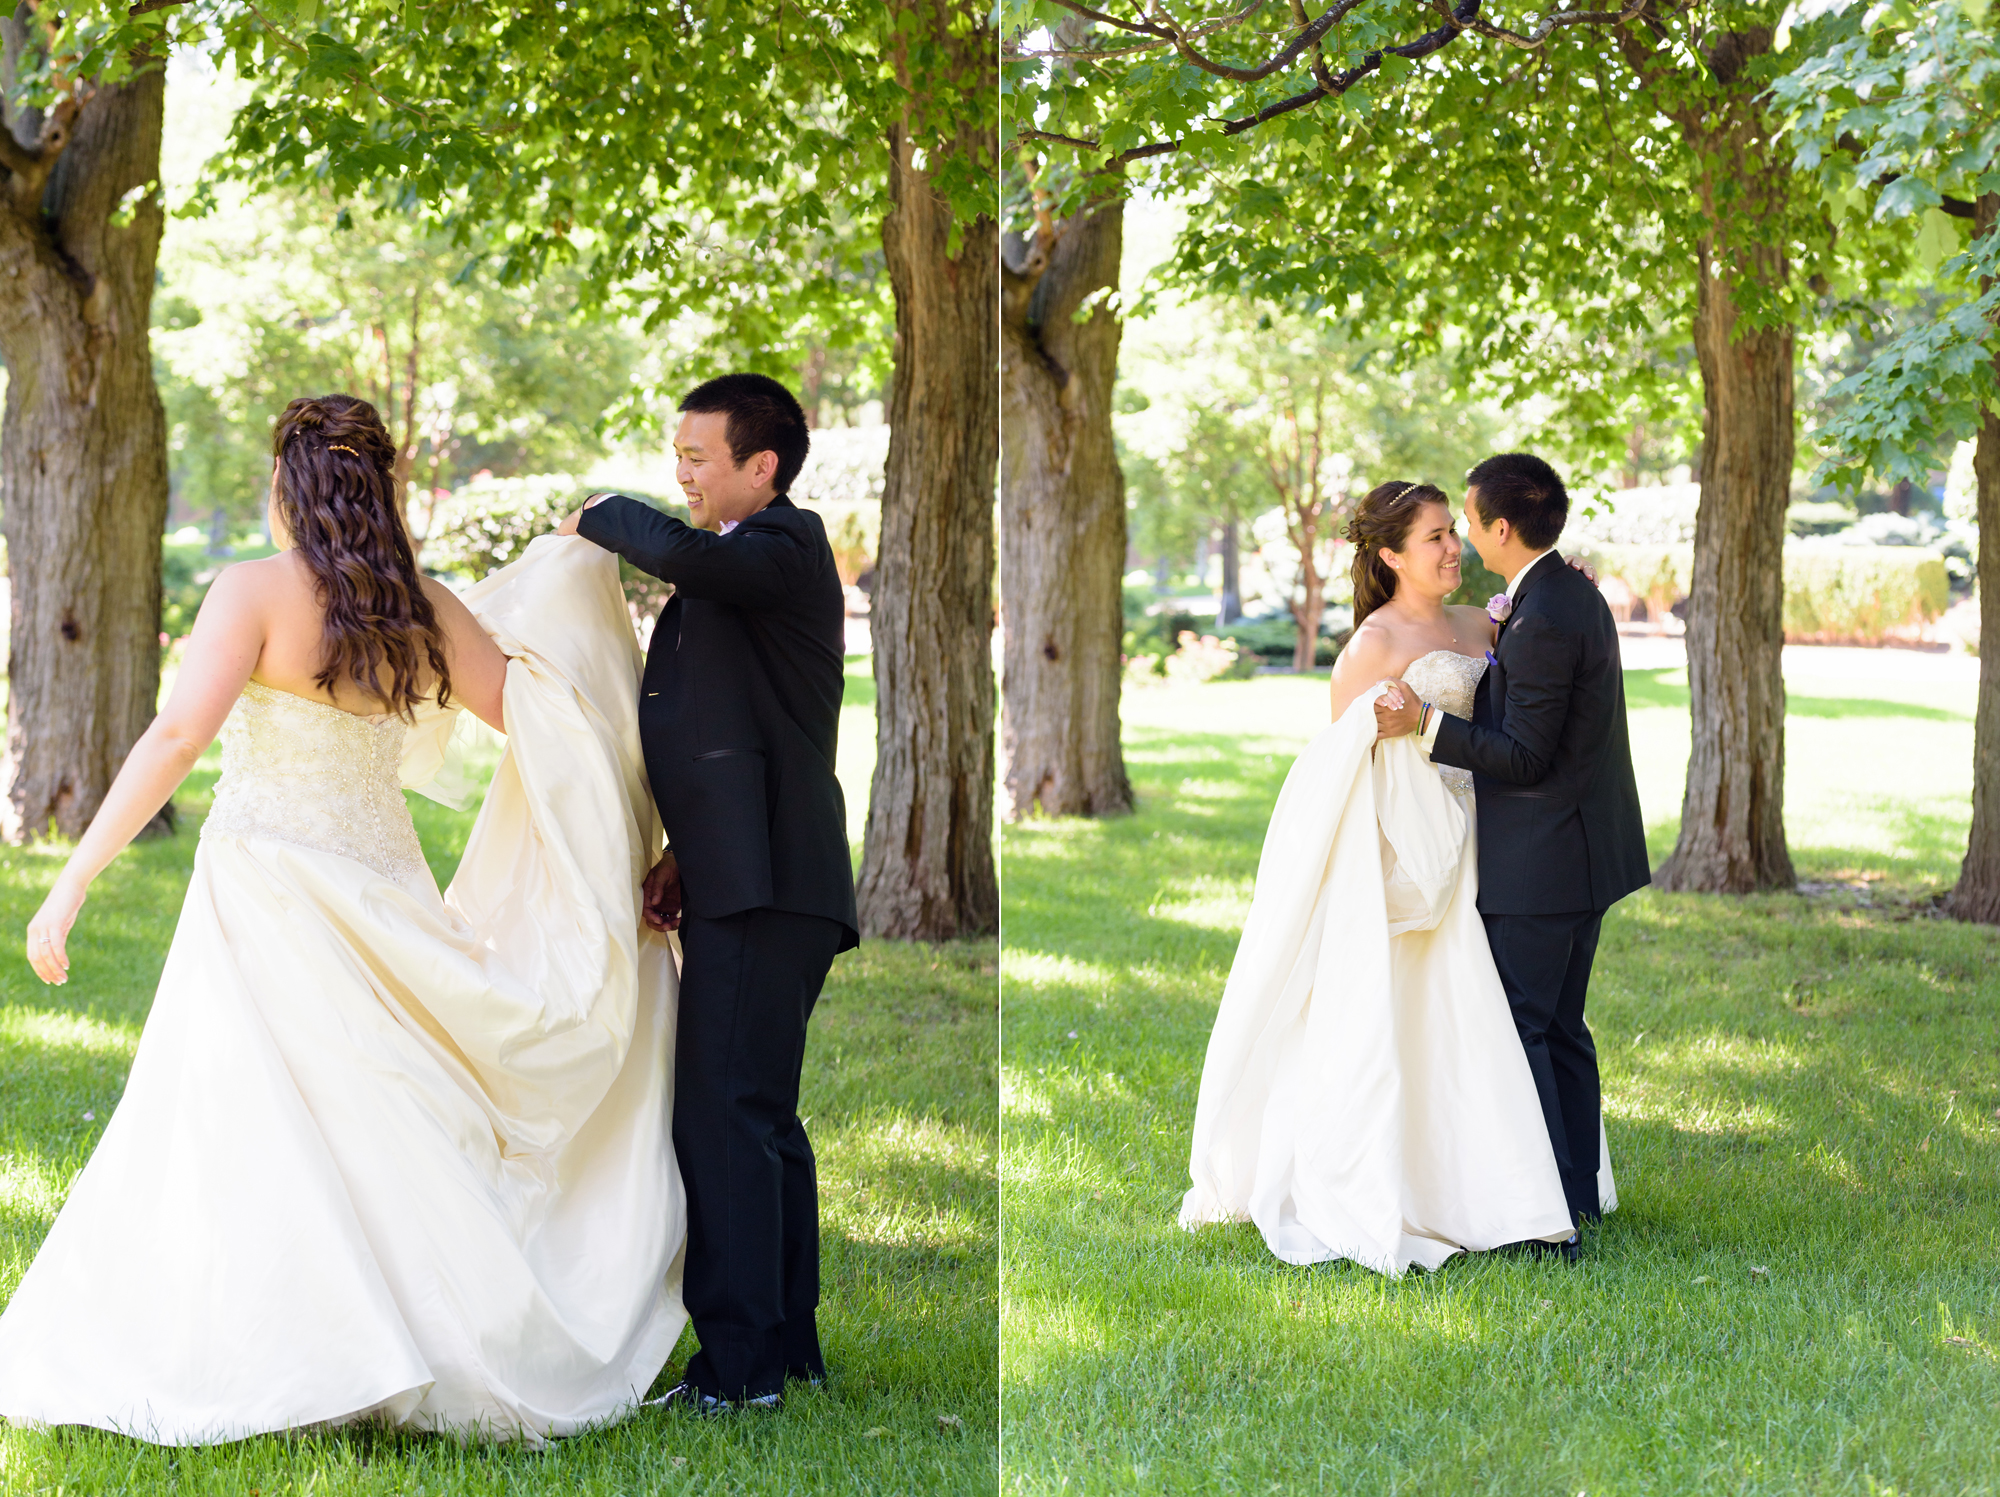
x=1250 y=409
x=289 y=293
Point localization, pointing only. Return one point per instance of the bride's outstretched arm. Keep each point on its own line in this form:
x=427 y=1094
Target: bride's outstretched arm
x=222 y=650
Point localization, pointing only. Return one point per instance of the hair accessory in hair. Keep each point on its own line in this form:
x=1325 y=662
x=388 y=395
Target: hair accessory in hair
x=341 y=447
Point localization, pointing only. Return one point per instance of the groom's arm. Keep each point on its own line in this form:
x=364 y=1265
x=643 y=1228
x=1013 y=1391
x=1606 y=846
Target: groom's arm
x=755 y=567
x=1540 y=677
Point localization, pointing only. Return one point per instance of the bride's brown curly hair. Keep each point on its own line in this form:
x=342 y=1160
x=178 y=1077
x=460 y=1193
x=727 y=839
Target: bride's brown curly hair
x=337 y=495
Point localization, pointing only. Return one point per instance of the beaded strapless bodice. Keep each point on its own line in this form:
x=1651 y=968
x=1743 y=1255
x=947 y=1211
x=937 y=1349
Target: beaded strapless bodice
x=1447 y=679
x=299 y=771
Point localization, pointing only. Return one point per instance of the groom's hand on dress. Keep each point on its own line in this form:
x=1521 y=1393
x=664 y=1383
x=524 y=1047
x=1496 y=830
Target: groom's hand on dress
x=1397 y=711
x=661 y=905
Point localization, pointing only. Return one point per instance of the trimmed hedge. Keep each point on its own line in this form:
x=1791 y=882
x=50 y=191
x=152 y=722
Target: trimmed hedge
x=1843 y=594
x=1833 y=594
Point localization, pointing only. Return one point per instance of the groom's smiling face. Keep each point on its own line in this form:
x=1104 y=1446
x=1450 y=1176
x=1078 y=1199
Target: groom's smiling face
x=718 y=487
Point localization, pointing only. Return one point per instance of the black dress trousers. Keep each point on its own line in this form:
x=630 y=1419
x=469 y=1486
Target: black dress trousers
x=1544 y=963
x=748 y=985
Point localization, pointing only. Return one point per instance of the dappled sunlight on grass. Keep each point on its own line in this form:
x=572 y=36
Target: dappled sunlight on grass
x=1800 y=1097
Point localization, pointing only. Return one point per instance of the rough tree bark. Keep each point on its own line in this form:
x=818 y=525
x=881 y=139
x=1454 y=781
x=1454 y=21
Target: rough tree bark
x=1977 y=893
x=83 y=467
x=927 y=868
x=1732 y=834
x=1062 y=516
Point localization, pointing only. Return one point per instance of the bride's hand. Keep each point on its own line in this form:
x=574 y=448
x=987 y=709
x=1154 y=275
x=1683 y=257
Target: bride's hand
x=1397 y=712
x=48 y=932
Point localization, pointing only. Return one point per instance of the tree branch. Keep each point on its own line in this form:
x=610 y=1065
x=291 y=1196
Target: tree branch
x=1549 y=24
x=1340 y=83
x=1459 y=19
x=1139 y=28
x=1956 y=207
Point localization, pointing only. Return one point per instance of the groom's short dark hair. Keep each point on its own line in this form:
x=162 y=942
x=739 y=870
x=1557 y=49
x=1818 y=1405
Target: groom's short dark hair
x=1525 y=492
x=763 y=417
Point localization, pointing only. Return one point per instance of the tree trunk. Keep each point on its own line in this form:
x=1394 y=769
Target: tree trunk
x=1229 y=606
x=1977 y=895
x=1308 y=612
x=927 y=865
x=1732 y=835
x=82 y=446
x=1062 y=515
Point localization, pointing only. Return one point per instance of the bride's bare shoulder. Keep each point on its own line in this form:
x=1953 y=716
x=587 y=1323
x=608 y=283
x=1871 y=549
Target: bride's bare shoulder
x=1371 y=654
x=1371 y=651
x=268 y=581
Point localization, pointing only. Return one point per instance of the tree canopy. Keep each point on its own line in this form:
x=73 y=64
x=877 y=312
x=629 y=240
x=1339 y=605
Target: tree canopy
x=1896 y=108
x=671 y=155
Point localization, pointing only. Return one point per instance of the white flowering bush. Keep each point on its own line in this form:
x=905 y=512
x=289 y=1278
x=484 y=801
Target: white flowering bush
x=488 y=522
x=1657 y=516
x=842 y=480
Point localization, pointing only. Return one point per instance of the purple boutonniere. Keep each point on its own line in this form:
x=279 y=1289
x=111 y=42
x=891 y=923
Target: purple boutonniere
x=1498 y=607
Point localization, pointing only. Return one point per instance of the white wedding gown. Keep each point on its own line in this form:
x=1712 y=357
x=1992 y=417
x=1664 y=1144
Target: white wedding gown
x=383 y=1154
x=1365 y=1093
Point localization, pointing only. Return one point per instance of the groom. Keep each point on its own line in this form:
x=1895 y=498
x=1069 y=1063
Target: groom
x=1560 y=837
x=737 y=715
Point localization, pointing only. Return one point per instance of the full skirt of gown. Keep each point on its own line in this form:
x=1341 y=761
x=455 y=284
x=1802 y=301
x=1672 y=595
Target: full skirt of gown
x=1365 y=1094
x=384 y=1153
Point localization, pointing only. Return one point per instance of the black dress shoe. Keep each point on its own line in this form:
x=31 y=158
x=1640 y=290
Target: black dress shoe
x=685 y=1398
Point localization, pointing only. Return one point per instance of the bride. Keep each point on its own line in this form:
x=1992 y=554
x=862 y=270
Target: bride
x=1365 y=1094
x=382 y=1154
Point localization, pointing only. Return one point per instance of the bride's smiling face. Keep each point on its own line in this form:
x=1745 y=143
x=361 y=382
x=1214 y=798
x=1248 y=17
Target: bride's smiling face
x=1428 y=564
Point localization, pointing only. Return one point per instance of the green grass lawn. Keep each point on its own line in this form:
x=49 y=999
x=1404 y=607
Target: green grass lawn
x=1800 y=1292
x=900 y=1097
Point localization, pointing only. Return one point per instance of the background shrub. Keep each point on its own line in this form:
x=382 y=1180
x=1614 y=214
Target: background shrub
x=488 y=522
x=1857 y=594
x=1836 y=592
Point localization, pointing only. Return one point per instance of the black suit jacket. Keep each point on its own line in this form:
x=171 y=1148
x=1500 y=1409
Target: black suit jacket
x=1559 y=823
x=740 y=707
